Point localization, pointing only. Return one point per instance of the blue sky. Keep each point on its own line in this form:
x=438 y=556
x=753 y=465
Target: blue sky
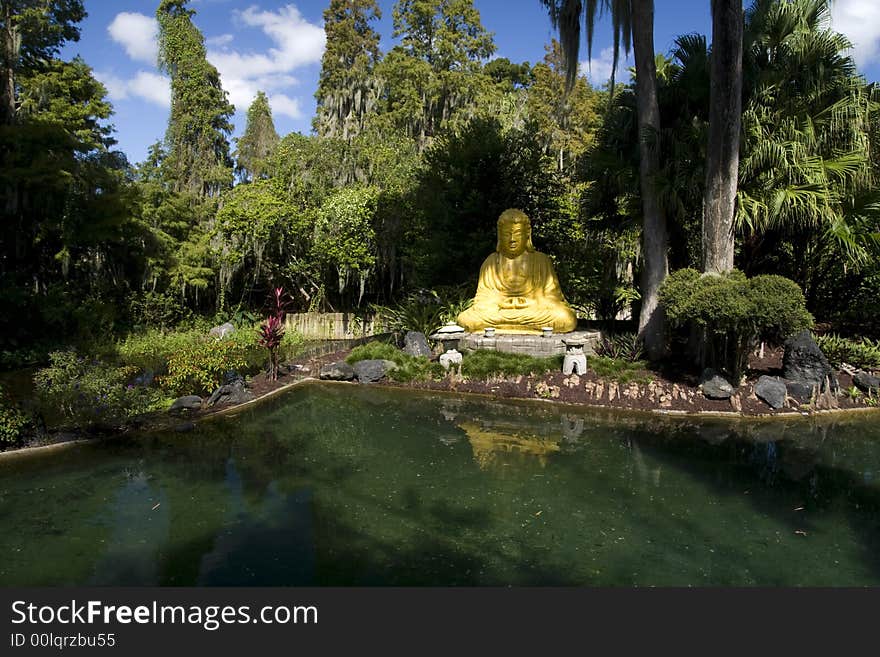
x=276 y=46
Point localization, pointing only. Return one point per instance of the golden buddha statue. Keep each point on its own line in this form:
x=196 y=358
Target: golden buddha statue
x=518 y=291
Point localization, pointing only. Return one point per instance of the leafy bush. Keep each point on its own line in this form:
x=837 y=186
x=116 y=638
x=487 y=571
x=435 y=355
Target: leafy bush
x=13 y=421
x=151 y=349
x=425 y=311
x=158 y=309
x=376 y=351
x=483 y=364
x=420 y=312
x=88 y=391
x=625 y=346
x=200 y=367
x=864 y=353
x=731 y=312
x=409 y=368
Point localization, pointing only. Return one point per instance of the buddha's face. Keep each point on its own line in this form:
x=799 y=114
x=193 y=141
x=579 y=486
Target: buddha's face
x=512 y=238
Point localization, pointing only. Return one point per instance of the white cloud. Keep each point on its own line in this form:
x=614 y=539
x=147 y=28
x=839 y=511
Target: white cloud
x=220 y=41
x=285 y=106
x=138 y=34
x=598 y=70
x=152 y=87
x=146 y=85
x=859 y=20
x=297 y=43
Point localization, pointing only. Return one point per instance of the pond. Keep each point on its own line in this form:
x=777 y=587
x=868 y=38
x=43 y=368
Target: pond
x=354 y=485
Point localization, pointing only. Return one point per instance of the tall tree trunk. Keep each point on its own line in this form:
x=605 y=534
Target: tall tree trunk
x=10 y=45
x=722 y=157
x=654 y=233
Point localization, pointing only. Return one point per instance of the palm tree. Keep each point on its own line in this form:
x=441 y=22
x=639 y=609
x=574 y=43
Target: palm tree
x=806 y=171
x=722 y=154
x=633 y=22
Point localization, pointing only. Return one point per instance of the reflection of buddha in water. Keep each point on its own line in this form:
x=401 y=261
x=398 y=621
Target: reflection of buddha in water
x=505 y=446
x=518 y=291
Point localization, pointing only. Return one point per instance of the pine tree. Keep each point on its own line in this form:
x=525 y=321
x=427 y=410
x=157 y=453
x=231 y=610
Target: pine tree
x=258 y=141
x=197 y=139
x=31 y=33
x=436 y=72
x=566 y=122
x=348 y=88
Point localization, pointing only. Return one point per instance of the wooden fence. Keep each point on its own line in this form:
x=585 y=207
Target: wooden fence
x=334 y=326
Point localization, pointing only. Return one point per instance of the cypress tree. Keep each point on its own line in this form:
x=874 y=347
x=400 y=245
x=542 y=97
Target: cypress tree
x=348 y=88
x=258 y=141
x=197 y=139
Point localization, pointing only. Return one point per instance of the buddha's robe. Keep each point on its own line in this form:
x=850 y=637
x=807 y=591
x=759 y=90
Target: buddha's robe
x=518 y=295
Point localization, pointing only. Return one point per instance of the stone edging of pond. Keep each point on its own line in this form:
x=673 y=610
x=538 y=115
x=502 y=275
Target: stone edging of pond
x=22 y=452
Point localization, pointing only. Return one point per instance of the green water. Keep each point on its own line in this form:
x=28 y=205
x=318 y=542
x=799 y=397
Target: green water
x=352 y=485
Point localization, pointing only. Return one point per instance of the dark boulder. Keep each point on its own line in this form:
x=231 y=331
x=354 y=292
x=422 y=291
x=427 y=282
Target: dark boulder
x=231 y=393
x=714 y=386
x=801 y=390
x=340 y=371
x=416 y=344
x=804 y=362
x=223 y=330
x=144 y=379
x=866 y=382
x=772 y=391
x=187 y=403
x=370 y=371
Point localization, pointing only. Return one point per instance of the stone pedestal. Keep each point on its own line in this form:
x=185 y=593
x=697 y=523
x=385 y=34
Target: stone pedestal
x=533 y=345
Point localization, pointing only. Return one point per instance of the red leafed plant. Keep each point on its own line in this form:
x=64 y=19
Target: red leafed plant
x=272 y=330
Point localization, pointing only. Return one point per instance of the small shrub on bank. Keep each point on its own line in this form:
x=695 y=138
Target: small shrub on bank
x=425 y=311
x=160 y=352
x=625 y=346
x=13 y=422
x=377 y=351
x=864 y=353
x=200 y=367
x=731 y=312
x=87 y=391
x=483 y=364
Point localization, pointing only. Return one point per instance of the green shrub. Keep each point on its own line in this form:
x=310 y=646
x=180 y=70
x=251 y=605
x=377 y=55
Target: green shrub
x=731 y=312
x=158 y=309
x=377 y=351
x=88 y=391
x=13 y=422
x=425 y=311
x=200 y=367
x=483 y=364
x=625 y=346
x=151 y=349
x=864 y=353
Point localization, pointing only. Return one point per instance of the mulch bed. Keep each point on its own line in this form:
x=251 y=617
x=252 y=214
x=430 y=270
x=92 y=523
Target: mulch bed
x=670 y=390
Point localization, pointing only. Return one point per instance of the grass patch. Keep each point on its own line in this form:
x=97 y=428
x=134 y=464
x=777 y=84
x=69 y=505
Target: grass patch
x=620 y=369
x=483 y=364
x=409 y=368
